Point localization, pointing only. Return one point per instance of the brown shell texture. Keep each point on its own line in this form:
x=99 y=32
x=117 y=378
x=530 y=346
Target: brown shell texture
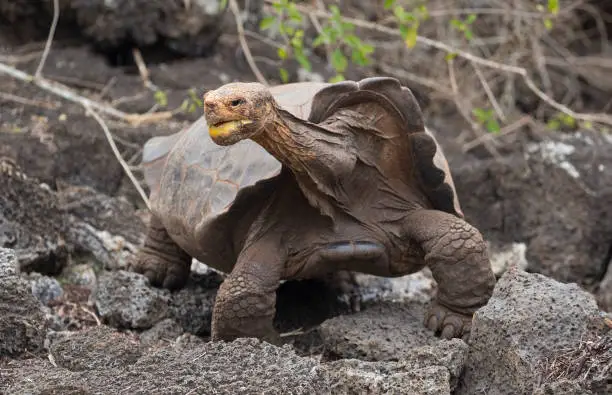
x=193 y=180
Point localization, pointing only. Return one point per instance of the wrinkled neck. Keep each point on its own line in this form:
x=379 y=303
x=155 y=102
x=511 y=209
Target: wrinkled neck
x=283 y=139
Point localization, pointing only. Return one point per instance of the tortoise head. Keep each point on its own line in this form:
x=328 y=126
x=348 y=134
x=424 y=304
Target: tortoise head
x=237 y=111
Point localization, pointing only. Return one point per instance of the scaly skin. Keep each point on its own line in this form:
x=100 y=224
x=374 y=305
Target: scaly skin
x=457 y=256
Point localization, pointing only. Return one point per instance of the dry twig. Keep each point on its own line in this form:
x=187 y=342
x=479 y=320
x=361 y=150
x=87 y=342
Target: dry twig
x=243 y=43
x=113 y=146
x=143 y=70
x=27 y=102
x=488 y=145
x=68 y=94
x=43 y=58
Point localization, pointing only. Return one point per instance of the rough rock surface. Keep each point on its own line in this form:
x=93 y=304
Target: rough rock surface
x=22 y=321
x=45 y=289
x=126 y=300
x=554 y=195
x=97 y=348
x=192 y=306
x=242 y=366
x=422 y=370
x=109 y=228
x=380 y=332
x=164 y=331
x=188 y=27
x=528 y=318
x=31 y=221
x=45 y=227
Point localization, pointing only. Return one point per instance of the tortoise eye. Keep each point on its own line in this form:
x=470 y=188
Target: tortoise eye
x=237 y=102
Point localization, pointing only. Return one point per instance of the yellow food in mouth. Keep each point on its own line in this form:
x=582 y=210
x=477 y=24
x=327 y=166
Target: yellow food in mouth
x=226 y=128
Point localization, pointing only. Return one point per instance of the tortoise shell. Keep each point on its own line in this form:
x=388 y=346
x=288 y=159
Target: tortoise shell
x=196 y=184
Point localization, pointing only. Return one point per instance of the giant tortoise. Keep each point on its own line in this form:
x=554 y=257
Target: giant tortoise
x=300 y=180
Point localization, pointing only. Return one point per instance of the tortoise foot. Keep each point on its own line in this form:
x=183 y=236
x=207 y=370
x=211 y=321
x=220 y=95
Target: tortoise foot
x=448 y=323
x=162 y=272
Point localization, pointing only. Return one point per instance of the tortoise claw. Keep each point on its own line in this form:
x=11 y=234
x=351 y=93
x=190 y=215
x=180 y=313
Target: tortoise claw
x=161 y=273
x=447 y=323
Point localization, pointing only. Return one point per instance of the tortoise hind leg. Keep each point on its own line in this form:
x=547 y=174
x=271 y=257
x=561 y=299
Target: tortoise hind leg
x=457 y=256
x=161 y=260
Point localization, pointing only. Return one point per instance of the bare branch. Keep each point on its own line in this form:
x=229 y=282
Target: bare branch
x=113 y=146
x=27 y=102
x=245 y=46
x=68 y=94
x=45 y=54
x=143 y=70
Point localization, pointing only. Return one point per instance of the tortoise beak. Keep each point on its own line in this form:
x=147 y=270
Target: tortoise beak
x=223 y=130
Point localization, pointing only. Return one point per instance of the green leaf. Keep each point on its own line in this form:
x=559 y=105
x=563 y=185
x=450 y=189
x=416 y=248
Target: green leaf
x=586 y=125
x=553 y=124
x=282 y=53
x=548 y=24
x=470 y=19
x=267 y=22
x=468 y=34
x=450 y=56
x=320 y=40
x=493 y=126
x=480 y=114
x=388 y=4
x=411 y=36
x=367 y=49
x=161 y=98
x=352 y=40
x=339 y=61
x=553 y=6
x=284 y=75
x=456 y=23
x=303 y=61
x=336 y=78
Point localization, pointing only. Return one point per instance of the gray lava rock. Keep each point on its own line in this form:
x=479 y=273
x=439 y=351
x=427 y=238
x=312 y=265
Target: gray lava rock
x=44 y=226
x=125 y=299
x=22 y=320
x=555 y=195
x=81 y=274
x=192 y=306
x=242 y=366
x=425 y=370
x=46 y=289
x=528 y=318
x=381 y=332
x=164 y=331
x=31 y=222
x=106 y=227
x=188 y=27
x=97 y=348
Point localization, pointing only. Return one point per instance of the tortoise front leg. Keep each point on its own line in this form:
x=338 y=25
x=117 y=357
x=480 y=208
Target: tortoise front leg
x=457 y=256
x=161 y=260
x=246 y=301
